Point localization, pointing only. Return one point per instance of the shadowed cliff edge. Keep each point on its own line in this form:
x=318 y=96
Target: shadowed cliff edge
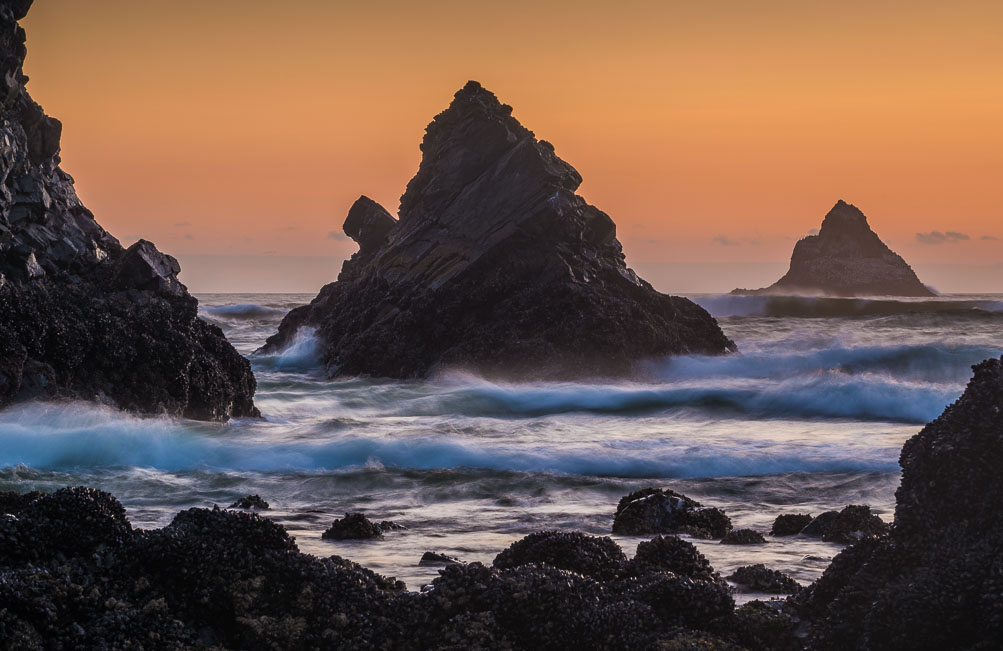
x=80 y=316
x=846 y=258
x=495 y=265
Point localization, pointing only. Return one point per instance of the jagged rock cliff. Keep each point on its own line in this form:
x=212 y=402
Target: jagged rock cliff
x=937 y=581
x=846 y=258
x=80 y=316
x=495 y=265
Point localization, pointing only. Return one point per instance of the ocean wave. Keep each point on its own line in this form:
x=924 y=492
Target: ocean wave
x=244 y=311
x=302 y=353
x=74 y=437
x=830 y=307
x=817 y=396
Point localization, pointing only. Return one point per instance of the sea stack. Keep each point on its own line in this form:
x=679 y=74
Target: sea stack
x=494 y=265
x=80 y=316
x=846 y=258
x=936 y=582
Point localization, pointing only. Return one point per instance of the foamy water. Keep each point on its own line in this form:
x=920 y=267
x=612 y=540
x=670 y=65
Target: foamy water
x=810 y=416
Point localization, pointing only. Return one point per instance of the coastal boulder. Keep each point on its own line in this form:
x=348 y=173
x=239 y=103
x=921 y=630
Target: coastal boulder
x=656 y=510
x=599 y=558
x=845 y=258
x=81 y=317
x=494 y=264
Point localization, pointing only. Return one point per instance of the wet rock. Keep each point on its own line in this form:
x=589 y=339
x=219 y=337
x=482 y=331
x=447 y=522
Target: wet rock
x=934 y=581
x=354 y=526
x=759 y=578
x=655 y=510
x=494 y=264
x=80 y=316
x=250 y=502
x=599 y=558
x=743 y=537
x=12 y=502
x=853 y=523
x=763 y=626
x=846 y=258
x=437 y=559
x=671 y=554
x=679 y=600
x=389 y=525
x=790 y=524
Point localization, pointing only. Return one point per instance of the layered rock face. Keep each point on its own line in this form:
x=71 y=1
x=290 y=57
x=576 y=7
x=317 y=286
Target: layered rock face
x=936 y=582
x=80 y=316
x=846 y=258
x=496 y=265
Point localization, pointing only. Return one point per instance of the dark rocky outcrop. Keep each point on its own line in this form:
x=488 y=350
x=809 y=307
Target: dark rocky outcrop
x=81 y=316
x=790 y=524
x=436 y=559
x=936 y=580
x=670 y=554
x=743 y=537
x=495 y=264
x=846 y=258
x=759 y=578
x=75 y=574
x=354 y=526
x=599 y=558
x=656 y=510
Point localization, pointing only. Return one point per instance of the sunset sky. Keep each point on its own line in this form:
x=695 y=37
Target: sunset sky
x=236 y=133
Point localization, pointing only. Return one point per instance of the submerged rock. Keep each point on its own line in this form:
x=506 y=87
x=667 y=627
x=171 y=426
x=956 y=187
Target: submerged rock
x=656 y=510
x=80 y=316
x=354 y=526
x=845 y=258
x=496 y=265
x=934 y=581
x=743 y=537
x=250 y=502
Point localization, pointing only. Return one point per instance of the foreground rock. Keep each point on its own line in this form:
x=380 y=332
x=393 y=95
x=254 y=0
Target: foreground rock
x=495 y=265
x=846 y=258
x=934 y=581
x=759 y=578
x=75 y=574
x=656 y=510
x=80 y=316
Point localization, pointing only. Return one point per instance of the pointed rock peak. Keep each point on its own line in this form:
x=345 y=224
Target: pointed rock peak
x=842 y=215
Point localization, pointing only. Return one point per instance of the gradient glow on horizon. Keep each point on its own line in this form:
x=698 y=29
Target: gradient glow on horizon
x=716 y=132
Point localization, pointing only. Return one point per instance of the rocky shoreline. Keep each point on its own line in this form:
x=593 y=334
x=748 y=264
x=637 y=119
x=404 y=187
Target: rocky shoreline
x=75 y=573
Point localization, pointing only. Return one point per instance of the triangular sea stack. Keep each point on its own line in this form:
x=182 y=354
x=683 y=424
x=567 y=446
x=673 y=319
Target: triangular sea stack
x=81 y=316
x=494 y=265
x=846 y=258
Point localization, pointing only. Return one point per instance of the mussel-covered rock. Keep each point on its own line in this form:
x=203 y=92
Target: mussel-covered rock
x=743 y=537
x=853 y=523
x=656 y=510
x=599 y=558
x=790 y=524
x=759 y=578
x=354 y=526
x=250 y=502
x=671 y=554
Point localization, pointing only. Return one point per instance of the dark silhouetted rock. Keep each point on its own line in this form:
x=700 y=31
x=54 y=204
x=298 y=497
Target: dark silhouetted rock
x=934 y=581
x=250 y=502
x=790 y=524
x=389 y=525
x=12 y=502
x=599 y=558
x=495 y=265
x=670 y=554
x=354 y=526
x=655 y=510
x=743 y=537
x=846 y=258
x=759 y=578
x=436 y=559
x=819 y=524
x=80 y=316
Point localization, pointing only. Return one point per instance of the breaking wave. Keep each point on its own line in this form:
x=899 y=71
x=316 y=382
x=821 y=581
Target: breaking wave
x=251 y=311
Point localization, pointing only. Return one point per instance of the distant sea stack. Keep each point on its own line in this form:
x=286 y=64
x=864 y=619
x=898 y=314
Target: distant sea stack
x=80 y=316
x=846 y=258
x=494 y=265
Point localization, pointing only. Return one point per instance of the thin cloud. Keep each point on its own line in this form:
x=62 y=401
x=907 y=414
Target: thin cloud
x=182 y=224
x=990 y=238
x=936 y=237
x=337 y=235
x=725 y=241
x=189 y=236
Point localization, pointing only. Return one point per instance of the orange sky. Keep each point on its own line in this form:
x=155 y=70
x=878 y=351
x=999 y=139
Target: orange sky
x=710 y=132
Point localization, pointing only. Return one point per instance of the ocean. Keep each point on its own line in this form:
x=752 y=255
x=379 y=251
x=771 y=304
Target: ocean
x=809 y=416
